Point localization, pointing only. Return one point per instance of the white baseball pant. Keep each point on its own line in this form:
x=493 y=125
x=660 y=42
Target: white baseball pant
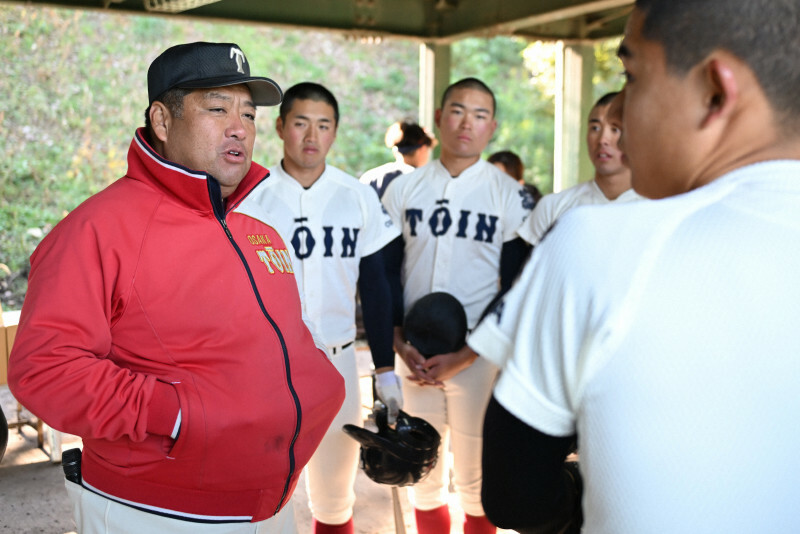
x=331 y=473
x=456 y=411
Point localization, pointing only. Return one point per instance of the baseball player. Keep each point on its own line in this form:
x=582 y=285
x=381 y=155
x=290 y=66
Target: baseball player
x=337 y=228
x=411 y=146
x=458 y=216
x=612 y=177
x=664 y=334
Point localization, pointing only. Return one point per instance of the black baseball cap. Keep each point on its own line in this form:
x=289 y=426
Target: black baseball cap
x=200 y=65
x=436 y=324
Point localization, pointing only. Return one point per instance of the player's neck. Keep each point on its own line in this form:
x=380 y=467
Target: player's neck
x=306 y=177
x=613 y=185
x=455 y=165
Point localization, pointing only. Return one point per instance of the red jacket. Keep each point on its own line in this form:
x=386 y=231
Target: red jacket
x=147 y=299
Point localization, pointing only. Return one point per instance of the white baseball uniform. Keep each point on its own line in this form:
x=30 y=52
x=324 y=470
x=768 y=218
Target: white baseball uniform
x=547 y=211
x=380 y=177
x=665 y=334
x=551 y=207
x=454 y=230
x=331 y=226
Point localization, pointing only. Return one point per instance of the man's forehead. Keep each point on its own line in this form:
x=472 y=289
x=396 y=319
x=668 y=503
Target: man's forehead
x=466 y=97
x=225 y=92
x=598 y=113
x=310 y=108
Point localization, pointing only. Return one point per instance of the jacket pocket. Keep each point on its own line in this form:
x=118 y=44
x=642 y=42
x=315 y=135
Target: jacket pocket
x=174 y=448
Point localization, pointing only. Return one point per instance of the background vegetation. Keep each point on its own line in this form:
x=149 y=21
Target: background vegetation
x=74 y=87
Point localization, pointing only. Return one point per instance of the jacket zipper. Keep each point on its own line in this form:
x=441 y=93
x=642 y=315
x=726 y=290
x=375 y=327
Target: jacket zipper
x=219 y=214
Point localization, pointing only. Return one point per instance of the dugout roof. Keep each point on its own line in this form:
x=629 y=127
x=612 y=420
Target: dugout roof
x=436 y=21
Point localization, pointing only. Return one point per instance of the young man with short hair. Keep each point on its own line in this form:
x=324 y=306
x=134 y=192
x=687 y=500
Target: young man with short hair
x=458 y=216
x=663 y=335
x=611 y=182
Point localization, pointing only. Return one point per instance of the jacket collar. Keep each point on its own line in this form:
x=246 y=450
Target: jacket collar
x=186 y=186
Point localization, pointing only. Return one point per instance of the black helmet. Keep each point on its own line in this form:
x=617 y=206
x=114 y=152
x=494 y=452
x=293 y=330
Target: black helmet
x=436 y=324
x=399 y=456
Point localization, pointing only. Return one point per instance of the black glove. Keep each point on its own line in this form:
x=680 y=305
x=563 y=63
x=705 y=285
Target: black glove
x=570 y=520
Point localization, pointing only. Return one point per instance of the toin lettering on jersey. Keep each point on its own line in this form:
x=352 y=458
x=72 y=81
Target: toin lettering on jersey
x=304 y=242
x=480 y=227
x=276 y=260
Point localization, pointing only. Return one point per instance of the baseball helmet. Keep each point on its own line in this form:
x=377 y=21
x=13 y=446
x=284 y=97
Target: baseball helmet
x=436 y=324
x=400 y=456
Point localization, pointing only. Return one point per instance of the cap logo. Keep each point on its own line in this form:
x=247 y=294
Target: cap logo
x=240 y=59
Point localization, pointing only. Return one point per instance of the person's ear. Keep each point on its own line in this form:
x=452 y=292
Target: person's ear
x=279 y=127
x=722 y=93
x=160 y=120
x=437 y=117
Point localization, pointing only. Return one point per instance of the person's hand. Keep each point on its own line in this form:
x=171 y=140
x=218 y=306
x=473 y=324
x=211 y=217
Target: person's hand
x=412 y=358
x=442 y=367
x=387 y=385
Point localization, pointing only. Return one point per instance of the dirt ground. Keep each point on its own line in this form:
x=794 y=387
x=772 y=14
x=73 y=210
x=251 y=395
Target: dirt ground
x=33 y=499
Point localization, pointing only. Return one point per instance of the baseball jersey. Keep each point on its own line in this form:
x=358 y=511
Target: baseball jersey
x=454 y=230
x=380 y=177
x=551 y=207
x=665 y=333
x=331 y=226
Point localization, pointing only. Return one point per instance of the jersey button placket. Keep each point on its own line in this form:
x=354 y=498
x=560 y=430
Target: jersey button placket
x=444 y=245
x=310 y=278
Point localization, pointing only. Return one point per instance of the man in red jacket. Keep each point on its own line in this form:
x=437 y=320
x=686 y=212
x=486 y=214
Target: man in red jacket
x=165 y=328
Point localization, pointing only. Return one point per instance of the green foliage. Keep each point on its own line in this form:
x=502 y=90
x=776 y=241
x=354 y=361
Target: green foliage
x=75 y=89
x=608 y=68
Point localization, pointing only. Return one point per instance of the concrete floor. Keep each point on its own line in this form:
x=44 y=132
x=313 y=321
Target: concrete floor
x=33 y=499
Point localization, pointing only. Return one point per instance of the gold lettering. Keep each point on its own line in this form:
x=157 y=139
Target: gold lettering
x=264 y=257
x=287 y=260
x=259 y=239
x=275 y=258
x=280 y=259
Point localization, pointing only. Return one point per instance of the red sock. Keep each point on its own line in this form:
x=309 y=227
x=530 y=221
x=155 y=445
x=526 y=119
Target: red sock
x=478 y=524
x=323 y=528
x=436 y=521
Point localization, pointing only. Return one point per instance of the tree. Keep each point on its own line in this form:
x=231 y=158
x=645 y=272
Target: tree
x=70 y=110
